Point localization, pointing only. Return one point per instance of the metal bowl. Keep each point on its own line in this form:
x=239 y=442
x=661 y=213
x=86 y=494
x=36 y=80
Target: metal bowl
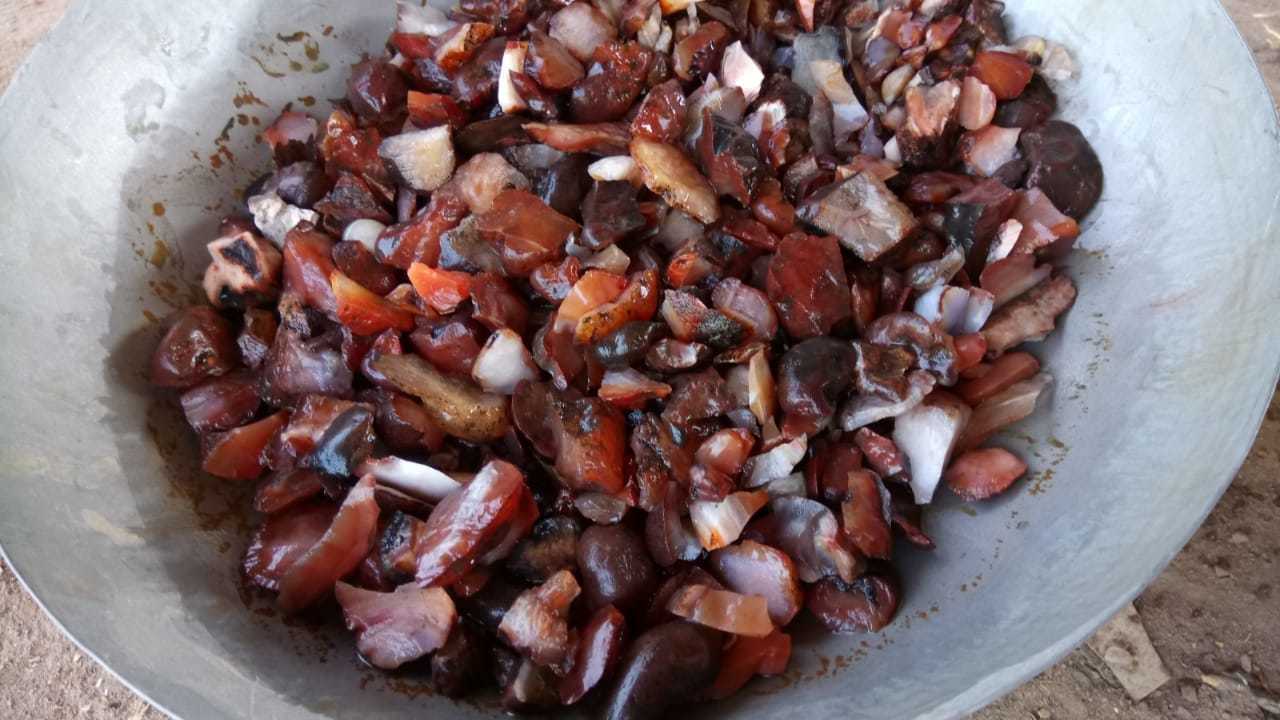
x=126 y=133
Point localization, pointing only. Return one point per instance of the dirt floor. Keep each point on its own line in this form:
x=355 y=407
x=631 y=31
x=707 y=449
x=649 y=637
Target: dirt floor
x=1213 y=615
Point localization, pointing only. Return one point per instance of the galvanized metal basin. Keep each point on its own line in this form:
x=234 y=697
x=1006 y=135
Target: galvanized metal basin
x=124 y=137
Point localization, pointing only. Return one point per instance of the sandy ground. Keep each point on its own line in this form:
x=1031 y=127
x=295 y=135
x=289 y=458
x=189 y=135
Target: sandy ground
x=1213 y=615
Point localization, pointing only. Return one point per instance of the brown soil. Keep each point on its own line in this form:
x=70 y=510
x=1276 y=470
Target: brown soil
x=46 y=676
x=1213 y=615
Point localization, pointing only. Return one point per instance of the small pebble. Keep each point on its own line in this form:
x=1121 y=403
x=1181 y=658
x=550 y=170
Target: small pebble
x=1212 y=681
x=1246 y=663
x=1221 y=571
x=1043 y=714
x=1269 y=706
x=1189 y=692
x=1238 y=538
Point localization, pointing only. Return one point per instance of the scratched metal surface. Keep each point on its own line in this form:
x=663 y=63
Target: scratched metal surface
x=1163 y=368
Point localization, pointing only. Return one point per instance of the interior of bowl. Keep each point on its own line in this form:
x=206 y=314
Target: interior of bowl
x=132 y=126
